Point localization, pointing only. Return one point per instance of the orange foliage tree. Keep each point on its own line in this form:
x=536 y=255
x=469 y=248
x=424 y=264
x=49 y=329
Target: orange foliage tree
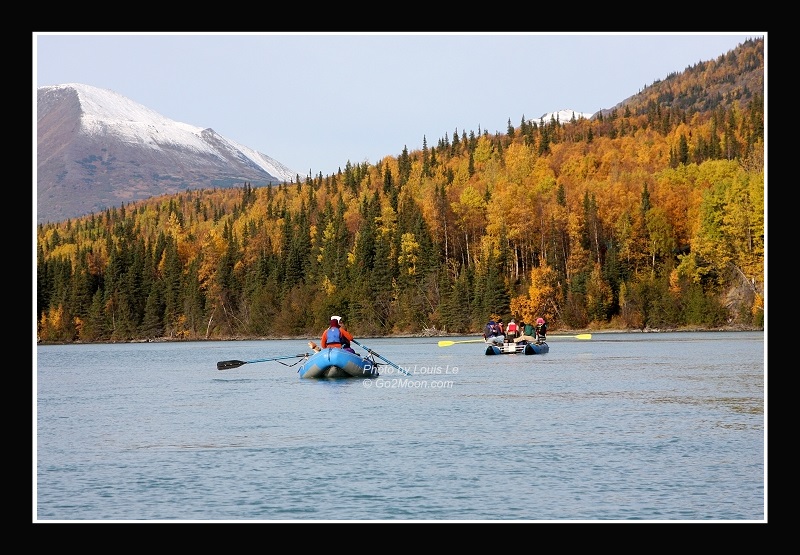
x=543 y=298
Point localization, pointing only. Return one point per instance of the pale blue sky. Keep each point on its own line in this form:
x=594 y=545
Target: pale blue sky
x=315 y=101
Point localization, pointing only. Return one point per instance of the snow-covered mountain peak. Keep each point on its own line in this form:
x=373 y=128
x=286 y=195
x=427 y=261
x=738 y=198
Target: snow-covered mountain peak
x=105 y=111
x=563 y=116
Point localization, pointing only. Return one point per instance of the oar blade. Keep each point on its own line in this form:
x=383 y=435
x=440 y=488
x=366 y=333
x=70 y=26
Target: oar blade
x=580 y=336
x=446 y=343
x=228 y=364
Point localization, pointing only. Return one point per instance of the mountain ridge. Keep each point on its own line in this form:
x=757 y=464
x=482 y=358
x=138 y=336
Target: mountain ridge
x=88 y=161
x=97 y=149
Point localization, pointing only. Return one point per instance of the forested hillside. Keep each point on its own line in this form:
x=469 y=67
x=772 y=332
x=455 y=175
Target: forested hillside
x=648 y=216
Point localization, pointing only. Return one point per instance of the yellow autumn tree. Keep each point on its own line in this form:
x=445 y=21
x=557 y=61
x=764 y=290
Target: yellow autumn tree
x=56 y=325
x=543 y=298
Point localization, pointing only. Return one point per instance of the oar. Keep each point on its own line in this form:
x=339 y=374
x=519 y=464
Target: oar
x=580 y=336
x=228 y=364
x=448 y=343
x=386 y=360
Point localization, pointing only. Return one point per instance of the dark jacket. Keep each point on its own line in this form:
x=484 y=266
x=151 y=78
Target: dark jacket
x=491 y=329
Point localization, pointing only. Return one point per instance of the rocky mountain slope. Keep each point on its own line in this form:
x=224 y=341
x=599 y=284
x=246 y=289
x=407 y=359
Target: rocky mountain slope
x=97 y=149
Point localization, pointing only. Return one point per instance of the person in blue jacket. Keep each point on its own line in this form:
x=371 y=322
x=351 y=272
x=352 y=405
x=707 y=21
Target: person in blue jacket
x=492 y=333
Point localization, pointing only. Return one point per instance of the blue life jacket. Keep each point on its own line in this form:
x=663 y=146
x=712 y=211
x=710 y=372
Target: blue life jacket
x=334 y=335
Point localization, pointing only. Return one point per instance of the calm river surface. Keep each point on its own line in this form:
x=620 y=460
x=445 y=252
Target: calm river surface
x=621 y=427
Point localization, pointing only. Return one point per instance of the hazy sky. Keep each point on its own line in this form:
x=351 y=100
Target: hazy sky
x=315 y=101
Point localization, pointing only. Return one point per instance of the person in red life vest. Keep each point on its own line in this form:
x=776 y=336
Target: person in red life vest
x=335 y=336
x=512 y=330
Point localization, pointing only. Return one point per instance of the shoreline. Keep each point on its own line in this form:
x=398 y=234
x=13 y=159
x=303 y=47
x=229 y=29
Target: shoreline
x=405 y=335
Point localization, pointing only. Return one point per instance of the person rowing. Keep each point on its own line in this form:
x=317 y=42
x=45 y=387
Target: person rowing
x=336 y=336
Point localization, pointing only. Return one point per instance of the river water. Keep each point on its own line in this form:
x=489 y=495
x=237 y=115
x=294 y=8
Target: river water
x=622 y=427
